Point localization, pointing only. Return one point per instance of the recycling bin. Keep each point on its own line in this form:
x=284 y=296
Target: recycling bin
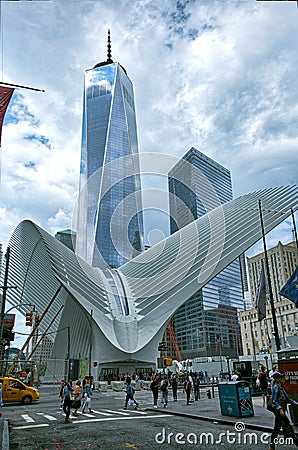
x=288 y=364
x=235 y=399
x=294 y=414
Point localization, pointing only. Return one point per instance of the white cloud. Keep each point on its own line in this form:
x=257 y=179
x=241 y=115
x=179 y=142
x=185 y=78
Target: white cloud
x=219 y=76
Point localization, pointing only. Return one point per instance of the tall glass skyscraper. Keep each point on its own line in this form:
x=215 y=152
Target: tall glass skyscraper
x=109 y=211
x=198 y=184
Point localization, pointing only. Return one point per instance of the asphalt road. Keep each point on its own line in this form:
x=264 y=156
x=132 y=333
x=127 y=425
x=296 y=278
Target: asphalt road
x=41 y=426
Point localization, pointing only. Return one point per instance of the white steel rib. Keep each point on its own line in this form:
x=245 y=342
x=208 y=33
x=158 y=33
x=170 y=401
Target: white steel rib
x=131 y=307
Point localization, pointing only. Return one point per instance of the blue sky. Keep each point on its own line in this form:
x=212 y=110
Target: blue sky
x=217 y=75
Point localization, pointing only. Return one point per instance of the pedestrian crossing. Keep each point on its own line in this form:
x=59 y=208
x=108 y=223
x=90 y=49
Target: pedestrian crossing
x=40 y=419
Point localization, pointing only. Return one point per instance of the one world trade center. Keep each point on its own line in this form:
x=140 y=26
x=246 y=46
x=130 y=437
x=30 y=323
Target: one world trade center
x=109 y=220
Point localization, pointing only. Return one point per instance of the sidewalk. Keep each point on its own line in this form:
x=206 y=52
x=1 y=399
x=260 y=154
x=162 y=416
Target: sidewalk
x=209 y=410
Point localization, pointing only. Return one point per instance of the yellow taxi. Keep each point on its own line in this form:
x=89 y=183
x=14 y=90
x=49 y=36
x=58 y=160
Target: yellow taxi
x=14 y=390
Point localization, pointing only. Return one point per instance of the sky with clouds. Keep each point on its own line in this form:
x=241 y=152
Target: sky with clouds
x=220 y=76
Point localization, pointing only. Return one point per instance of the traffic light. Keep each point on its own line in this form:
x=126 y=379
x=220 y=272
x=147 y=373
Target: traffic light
x=29 y=315
x=36 y=320
x=94 y=363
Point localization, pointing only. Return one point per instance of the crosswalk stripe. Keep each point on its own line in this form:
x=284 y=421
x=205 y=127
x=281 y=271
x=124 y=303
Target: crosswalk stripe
x=123 y=418
x=27 y=418
x=100 y=412
x=47 y=416
x=117 y=412
x=23 y=427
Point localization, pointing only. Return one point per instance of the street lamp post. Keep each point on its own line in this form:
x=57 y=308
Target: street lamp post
x=2 y=314
x=266 y=361
x=228 y=363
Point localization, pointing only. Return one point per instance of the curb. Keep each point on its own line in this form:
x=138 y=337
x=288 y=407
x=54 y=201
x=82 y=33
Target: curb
x=5 y=435
x=222 y=421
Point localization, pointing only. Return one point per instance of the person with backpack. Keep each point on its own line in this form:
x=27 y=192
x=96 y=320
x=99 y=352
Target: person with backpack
x=164 y=391
x=279 y=403
x=130 y=394
x=67 y=401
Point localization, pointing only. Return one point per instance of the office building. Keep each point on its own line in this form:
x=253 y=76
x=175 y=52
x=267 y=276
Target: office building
x=258 y=336
x=197 y=185
x=67 y=237
x=109 y=220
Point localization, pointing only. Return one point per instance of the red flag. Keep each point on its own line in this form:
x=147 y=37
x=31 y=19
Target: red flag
x=5 y=96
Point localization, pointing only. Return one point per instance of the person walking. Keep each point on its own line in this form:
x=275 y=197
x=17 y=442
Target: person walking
x=61 y=395
x=87 y=393
x=67 y=392
x=77 y=398
x=129 y=394
x=164 y=387
x=196 y=386
x=154 y=388
x=174 y=387
x=187 y=389
x=263 y=382
x=279 y=401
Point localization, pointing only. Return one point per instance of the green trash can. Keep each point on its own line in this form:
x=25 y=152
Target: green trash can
x=235 y=399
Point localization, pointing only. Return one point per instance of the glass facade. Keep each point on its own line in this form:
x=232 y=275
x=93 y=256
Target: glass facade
x=197 y=184
x=109 y=214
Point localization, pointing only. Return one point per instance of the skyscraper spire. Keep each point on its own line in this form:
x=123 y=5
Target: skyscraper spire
x=109 y=59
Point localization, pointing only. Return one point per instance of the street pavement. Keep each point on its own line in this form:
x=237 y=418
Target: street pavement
x=209 y=410
x=204 y=409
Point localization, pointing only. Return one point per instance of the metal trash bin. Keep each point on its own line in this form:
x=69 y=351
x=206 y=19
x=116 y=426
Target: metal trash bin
x=235 y=399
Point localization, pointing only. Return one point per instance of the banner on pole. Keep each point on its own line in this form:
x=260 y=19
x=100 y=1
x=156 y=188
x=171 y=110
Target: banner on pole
x=290 y=289
x=5 y=96
x=261 y=296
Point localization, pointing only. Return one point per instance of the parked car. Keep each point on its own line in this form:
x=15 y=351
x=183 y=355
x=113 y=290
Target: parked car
x=14 y=390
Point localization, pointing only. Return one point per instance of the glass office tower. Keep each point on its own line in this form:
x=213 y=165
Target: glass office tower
x=198 y=184
x=109 y=214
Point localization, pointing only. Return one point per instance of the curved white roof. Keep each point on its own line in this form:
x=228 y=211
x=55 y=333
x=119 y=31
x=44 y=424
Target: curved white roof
x=132 y=304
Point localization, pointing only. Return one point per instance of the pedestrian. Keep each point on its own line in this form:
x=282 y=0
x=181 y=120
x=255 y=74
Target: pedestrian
x=234 y=377
x=87 y=393
x=154 y=388
x=129 y=394
x=272 y=371
x=164 y=387
x=77 y=397
x=187 y=389
x=67 y=393
x=263 y=383
x=196 y=386
x=174 y=387
x=279 y=402
x=61 y=395
x=192 y=397
x=29 y=378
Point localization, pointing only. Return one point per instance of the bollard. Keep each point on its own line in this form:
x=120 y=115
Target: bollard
x=208 y=392
x=212 y=390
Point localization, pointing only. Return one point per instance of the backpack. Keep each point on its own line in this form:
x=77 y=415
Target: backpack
x=163 y=386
